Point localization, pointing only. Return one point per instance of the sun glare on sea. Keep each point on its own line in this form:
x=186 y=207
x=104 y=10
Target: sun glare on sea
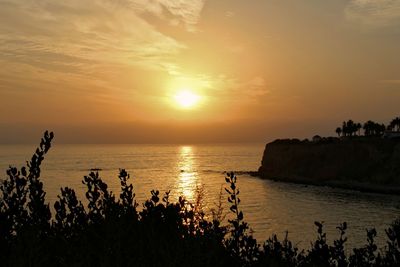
x=186 y=99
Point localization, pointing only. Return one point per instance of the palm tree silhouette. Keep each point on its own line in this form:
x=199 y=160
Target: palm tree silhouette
x=339 y=131
x=358 y=127
x=369 y=128
x=344 y=129
x=395 y=124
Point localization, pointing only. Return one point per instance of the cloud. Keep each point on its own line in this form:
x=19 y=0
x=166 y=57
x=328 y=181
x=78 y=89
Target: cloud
x=81 y=37
x=257 y=87
x=374 y=13
x=238 y=89
x=186 y=12
x=229 y=14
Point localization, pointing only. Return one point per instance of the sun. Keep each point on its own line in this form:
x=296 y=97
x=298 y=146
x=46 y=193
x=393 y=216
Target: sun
x=186 y=99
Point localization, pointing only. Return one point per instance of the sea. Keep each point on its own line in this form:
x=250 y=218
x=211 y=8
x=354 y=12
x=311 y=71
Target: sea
x=189 y=170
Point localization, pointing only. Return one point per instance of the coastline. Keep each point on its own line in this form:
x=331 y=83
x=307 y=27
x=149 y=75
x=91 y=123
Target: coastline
x=349 y=185
x=362 y=164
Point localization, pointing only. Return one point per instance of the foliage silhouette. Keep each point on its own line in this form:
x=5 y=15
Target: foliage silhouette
x=113 y=232
x=395 y=124
x=371 y=128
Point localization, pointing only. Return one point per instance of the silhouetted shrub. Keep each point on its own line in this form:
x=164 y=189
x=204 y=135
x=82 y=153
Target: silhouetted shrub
x=113 y=232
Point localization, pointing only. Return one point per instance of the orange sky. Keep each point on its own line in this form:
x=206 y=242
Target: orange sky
x=107 y=71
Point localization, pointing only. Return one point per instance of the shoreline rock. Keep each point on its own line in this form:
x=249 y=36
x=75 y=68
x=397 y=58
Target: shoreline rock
x=362 y=164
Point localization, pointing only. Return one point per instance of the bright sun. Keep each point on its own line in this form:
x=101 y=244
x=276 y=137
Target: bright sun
x=186 y=99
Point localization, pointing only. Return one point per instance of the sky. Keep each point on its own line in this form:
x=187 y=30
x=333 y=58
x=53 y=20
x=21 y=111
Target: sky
x=109 y=71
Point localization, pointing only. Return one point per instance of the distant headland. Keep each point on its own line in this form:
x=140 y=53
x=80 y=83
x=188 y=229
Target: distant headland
x=365 y=162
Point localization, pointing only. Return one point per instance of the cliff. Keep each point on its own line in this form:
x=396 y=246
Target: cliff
x=361 y=163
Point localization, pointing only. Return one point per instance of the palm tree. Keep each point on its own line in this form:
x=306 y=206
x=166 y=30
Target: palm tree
x=381 y=129
x=398 y=123
x=339 y=131
x=369 y=128
x=358 y=127
x=374 y=129
x=395 y=124
x=351 y=127
x=344 y=129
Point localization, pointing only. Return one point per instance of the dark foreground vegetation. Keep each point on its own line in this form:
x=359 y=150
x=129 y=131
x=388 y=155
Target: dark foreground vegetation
x=113 y=231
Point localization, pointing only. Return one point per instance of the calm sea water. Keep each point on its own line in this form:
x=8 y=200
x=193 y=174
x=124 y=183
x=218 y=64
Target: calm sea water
x=269 y=207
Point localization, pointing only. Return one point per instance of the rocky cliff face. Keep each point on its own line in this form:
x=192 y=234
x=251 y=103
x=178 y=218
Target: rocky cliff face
x=372 y=161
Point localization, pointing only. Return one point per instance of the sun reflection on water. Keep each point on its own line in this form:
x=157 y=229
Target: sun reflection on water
x=188 y=177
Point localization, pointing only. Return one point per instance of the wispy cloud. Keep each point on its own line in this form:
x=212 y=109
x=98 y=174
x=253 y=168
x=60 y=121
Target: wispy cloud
x=229 y=14
x=78 y=36
x=186 y=12
x=238 y=89
x=374 y=13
